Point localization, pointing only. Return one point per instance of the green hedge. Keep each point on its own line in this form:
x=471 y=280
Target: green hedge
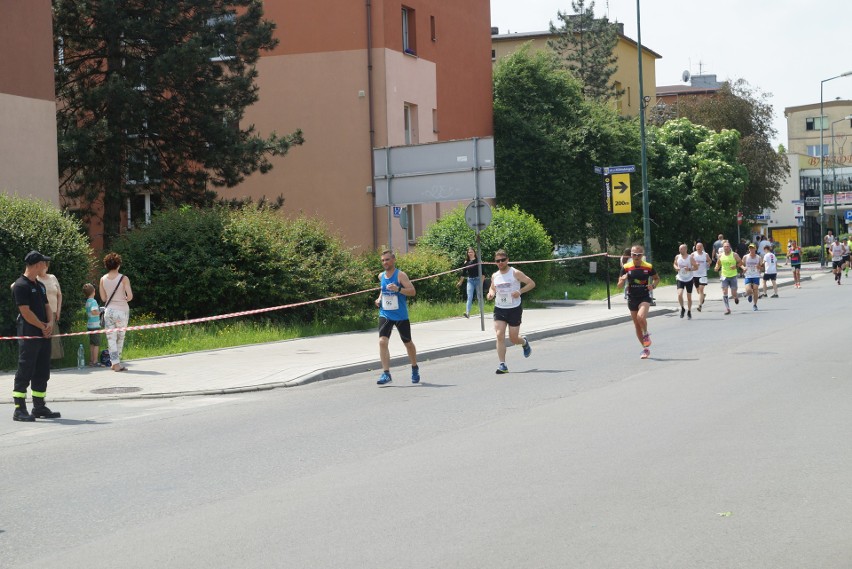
x=199 y=262
x=518 y=232
x=420 y=262
x=27 y=224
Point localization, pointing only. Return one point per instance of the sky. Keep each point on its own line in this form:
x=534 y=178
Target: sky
x=780 y=47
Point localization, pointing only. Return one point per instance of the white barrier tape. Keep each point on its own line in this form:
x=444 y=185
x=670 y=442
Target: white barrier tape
x=257 y=310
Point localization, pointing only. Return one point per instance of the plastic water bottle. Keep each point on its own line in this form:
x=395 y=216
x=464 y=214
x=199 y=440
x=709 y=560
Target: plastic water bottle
x=81 y=358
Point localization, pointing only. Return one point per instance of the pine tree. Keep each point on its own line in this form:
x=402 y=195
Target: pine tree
x=150 y=97
x=587 y=46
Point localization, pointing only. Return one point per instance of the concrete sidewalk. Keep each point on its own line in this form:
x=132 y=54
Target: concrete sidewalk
x=296 y=362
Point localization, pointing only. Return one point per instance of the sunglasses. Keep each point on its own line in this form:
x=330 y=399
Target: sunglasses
x=636 y=254
x=503 y=260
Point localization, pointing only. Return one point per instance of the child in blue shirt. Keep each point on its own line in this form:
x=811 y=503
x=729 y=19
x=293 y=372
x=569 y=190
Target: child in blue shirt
x=93 y=322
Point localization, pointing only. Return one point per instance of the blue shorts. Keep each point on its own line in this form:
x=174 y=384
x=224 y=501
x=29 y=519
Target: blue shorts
x=752 y=281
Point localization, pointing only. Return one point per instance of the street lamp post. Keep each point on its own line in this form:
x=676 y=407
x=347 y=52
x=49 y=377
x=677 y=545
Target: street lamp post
x=834 y=173
x=646 y=216
x=822 y=167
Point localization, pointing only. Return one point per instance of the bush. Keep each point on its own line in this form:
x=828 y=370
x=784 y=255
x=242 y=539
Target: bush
x=420 y=262
x=27 y=224
x=519 y=233
x=190 y=263
x=811 y=254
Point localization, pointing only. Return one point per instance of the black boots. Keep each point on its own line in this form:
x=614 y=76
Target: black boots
x=21 y=413
x=41 y=411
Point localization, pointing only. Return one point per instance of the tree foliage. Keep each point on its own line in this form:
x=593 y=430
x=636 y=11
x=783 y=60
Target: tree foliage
x=151 y=96
x=27 y=224
x=586 y=47
x=695 y=183
x=740 y=107
x=548 y=140
x=522 y=236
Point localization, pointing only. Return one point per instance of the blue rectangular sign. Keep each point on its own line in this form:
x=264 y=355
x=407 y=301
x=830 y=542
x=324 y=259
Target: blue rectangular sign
x=848 y=215
x=620 y=169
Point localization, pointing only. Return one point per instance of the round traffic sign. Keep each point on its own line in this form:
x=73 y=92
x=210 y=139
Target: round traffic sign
x=484 y=213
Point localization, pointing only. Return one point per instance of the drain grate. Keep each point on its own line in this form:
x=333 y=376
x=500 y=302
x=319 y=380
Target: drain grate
x=110 y=390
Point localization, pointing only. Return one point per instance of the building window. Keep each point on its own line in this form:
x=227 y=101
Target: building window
x=432 y=28
x=493 y=55
x=434 y=120
x=815 y=123
x=813 y=150
x=409 y=31
x=410 y=123
x=225 y=46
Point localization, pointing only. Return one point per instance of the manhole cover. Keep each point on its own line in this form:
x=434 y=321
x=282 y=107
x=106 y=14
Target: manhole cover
x=109 y=390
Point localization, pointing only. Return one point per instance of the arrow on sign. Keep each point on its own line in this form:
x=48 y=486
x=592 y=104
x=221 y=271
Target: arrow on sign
x=621 y=187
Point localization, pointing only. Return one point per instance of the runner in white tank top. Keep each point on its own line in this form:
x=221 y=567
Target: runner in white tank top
x=684 y=264
x=699 y=278
x=770 y=272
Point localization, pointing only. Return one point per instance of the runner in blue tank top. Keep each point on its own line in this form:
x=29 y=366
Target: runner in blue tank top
x=396 y=287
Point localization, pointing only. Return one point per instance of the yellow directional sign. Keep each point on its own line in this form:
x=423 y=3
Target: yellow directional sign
x=621 y=193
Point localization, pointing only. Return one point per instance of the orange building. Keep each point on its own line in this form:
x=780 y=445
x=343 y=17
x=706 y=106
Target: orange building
x=28 y=151
x=361 y=75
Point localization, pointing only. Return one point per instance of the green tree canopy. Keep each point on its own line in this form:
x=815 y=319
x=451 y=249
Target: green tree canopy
x=586 y=46
x=696 y=183
x=746 y=109
x=548 y=139
x=151 y=96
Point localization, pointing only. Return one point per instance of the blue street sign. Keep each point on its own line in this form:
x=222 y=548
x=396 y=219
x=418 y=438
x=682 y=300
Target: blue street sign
x=396 y=210
x=848 y=215
x=615 y=169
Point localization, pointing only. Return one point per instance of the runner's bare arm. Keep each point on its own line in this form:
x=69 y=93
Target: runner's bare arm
x=407 y=287
x=528 y=283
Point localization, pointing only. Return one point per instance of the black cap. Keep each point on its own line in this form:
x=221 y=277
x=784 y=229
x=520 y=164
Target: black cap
x=34 y=257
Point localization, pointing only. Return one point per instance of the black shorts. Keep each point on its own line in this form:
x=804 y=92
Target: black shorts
x=633 y=303
x=94 y=339
x=386 y=327
x=836 y=264
x=685 y=284
x=699 y=281
x=511 y=316
x=769 y=276
x=796 y=266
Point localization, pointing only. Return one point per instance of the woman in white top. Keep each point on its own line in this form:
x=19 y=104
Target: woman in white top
x=54 y=300
x=115 y=293
x=699 y=275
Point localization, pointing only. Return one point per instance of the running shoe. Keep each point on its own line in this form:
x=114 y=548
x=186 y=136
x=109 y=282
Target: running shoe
x=682 y=312
x=466 y=315
x=385 y=378
x=689 y=315
x=749 y=299
x=415 y=374
x=727 y=311
x=501 y=369
x=646 y=353
x=761 y=295
x=754 y=308
x=774 y=296
x=736 y=299
x=527 y=349
x=646 y=340
x=699 y=307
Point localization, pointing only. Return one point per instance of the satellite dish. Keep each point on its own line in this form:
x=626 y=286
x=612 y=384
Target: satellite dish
x=685 y=76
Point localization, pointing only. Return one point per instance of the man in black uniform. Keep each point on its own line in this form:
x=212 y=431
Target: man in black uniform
x=35 y=319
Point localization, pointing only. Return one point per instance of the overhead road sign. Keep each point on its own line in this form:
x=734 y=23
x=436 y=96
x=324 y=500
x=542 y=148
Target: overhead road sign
x=435 y=172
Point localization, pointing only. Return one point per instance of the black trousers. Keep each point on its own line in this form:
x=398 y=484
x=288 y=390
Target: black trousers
x=33 y=362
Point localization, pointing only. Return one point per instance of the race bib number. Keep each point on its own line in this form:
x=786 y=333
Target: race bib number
x=390 y=301
x=684 y=272
x=503 y=299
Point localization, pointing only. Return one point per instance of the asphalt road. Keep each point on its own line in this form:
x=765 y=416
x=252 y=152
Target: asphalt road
x=729 y=448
